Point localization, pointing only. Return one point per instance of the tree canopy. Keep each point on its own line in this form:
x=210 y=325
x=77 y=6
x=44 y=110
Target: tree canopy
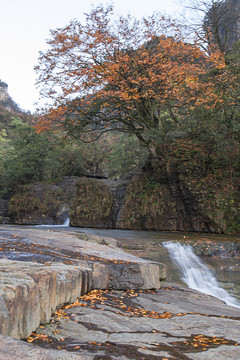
x=124 y=74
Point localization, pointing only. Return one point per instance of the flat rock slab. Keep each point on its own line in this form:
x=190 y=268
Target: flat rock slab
x=112 y=268
x=171 y=323
x=12 y=349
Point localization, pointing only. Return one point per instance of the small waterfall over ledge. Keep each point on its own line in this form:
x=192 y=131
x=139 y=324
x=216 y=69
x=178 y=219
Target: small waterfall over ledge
x=65 y=224
x=196 y=274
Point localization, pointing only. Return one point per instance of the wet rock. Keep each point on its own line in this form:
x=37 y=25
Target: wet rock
x=173 y=322
x=112 y=267
x=166 y=323
x=102 y=240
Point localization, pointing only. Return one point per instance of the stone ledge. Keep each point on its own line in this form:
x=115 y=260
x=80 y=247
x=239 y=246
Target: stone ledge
x=112 y=268
x=30 y=292
x=126 y=276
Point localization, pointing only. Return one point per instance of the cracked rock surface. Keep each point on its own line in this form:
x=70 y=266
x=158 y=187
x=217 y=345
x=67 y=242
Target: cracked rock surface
x=170 y=323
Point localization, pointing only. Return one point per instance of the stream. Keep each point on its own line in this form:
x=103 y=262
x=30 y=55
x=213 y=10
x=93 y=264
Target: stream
x=208 y=263
x=196 y=274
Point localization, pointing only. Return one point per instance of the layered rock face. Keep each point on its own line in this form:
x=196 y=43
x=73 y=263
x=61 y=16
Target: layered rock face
x=92 y=205
x=30 y=292
x=220 y=203
x=163 y=206
x=142 y=204
x=97 y=203
x=172 y=203
x=38 y=204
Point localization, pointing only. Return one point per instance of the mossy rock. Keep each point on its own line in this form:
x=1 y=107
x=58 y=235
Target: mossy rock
x=92 y=205
x=38 y=204
x=219 y=201
x=148 y=205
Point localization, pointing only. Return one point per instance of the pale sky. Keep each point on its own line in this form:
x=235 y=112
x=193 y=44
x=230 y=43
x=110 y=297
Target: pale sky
x=25 y=25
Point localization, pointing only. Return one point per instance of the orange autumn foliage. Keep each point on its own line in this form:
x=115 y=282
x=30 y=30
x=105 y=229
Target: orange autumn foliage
x=121 y=73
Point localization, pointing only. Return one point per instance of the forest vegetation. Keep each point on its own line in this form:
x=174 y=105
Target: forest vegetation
x=145 y=79
x=127 y=94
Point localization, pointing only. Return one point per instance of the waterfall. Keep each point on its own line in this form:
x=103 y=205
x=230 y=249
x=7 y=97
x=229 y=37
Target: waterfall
x=66 y=224
x=196 y=274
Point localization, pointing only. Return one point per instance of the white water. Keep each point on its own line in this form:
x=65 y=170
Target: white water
x=65 y=224
x=196 y=274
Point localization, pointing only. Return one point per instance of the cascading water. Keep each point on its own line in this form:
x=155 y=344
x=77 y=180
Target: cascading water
x=65 y=224
x=196 y=274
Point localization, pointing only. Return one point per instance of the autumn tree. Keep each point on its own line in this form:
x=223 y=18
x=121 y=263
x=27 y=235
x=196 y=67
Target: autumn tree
x=118 y=73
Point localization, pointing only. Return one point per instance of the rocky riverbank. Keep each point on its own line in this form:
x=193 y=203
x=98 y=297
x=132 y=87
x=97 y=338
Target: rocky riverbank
x=42 y=270
x=138 y=321
x=172 y=323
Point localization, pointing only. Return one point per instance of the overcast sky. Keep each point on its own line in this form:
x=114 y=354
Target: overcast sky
x=25 y=25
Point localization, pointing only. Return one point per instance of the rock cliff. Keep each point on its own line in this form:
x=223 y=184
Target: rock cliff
x=172 y=203
x=97 y=203
x=223 y=19
x=5 y=100
x=38 y=204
